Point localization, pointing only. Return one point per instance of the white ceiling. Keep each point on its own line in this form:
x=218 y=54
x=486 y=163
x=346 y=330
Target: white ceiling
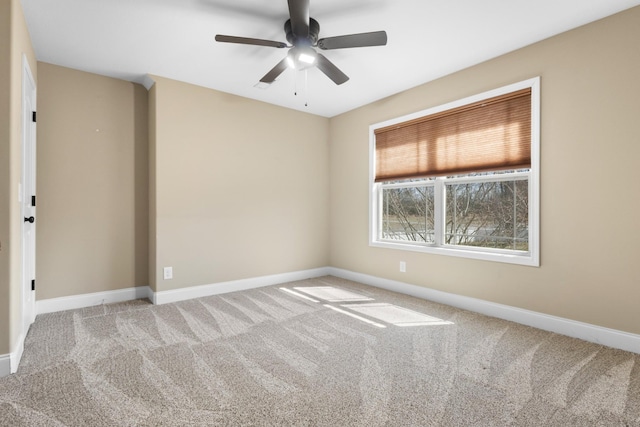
x=129 y=39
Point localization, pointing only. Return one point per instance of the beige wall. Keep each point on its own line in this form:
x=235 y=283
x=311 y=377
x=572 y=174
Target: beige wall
x=92 y=183
x=590 y=145
x=241 y=187
x=104 y=226
x=14 y=43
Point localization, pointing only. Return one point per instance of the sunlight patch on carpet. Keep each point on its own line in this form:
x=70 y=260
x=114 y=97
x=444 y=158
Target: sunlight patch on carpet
x=395 y=315
x=299 y=295
x=355 y=316
x=332 y=294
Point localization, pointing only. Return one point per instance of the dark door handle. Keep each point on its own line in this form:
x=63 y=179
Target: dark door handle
x=30 y=219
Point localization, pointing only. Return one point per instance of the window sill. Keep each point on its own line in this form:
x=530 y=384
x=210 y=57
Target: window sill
x=524 y=258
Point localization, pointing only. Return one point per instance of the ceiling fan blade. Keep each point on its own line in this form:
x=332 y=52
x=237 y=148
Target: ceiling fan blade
x=246 y=40
x=376 y=38
x=299 y=13
x=272 y=75
x=330 y=70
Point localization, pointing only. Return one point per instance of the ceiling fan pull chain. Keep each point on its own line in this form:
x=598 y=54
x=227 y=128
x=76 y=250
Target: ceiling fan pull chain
x=306 y=88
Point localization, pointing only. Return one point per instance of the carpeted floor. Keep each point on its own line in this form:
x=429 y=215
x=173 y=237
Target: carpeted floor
x=319 y=352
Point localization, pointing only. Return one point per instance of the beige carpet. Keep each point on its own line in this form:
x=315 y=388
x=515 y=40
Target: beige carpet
x=320 y=352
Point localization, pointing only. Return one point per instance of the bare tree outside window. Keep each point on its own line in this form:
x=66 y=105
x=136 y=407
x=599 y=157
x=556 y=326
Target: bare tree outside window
x=408 y=214
x=490 y=214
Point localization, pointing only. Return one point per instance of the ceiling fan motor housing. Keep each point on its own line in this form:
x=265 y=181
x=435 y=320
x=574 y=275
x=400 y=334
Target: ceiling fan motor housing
x=311 y=40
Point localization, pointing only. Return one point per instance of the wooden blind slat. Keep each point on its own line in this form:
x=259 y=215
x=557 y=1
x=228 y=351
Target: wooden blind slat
x=494 y=134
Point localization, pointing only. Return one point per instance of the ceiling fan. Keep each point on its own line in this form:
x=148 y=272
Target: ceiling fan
x=302 y=32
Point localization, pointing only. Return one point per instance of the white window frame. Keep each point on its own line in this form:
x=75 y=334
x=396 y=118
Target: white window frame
x=530 y=257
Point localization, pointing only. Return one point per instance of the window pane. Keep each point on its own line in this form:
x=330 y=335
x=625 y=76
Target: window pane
x=488 y=214
x=407 y=214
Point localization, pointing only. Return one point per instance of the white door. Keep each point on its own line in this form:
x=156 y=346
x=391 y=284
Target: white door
x=28 y=197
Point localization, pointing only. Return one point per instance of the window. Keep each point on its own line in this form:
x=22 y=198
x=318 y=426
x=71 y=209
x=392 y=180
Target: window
x=461 y=179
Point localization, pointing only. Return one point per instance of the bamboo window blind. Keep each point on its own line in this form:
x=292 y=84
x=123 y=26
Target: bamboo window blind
x=489 y=135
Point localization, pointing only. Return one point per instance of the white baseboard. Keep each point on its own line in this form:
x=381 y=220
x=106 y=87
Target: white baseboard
x=87 y=300
x=5 y=365
x=16 y=356
x=9 y=362
x=164 y=297
x=584 y=331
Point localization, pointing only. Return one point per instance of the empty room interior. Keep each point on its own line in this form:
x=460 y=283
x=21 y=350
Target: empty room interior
x=185 y=243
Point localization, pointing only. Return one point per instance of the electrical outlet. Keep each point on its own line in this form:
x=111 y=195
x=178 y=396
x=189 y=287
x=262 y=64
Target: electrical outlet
x=168 y=273
x=403 y=267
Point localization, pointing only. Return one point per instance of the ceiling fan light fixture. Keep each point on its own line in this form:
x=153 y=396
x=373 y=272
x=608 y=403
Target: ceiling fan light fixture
x=307 y=58
x=301 y=58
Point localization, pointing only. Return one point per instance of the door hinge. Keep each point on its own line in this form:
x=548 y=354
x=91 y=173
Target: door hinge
x=33 y=285
x=33 y=201
x=33 y=116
